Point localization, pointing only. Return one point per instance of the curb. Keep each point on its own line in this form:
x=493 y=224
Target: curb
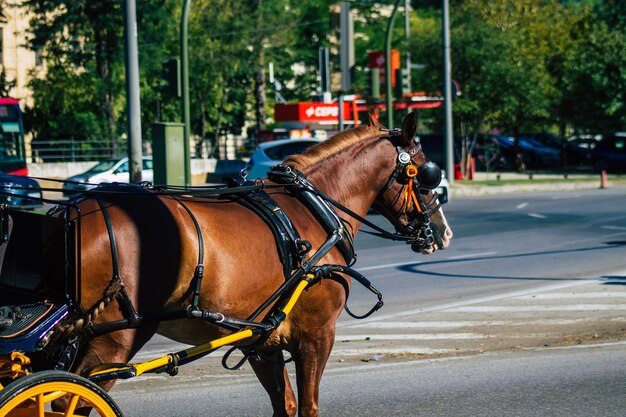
x=471 y=190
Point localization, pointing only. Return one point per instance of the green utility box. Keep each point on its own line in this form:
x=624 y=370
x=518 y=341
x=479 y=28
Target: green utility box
x=168 y=153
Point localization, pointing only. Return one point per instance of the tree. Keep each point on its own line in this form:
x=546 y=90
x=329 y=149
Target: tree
x=594 y=81
x=82 y=39
x=82 y=95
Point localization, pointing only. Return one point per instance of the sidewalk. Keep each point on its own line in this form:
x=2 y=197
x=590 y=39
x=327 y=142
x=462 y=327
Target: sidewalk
x=488 y=183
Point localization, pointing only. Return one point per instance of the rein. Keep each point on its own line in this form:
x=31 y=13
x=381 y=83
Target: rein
x=381 y=232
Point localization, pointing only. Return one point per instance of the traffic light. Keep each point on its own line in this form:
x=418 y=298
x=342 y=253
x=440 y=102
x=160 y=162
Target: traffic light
x=171 y=75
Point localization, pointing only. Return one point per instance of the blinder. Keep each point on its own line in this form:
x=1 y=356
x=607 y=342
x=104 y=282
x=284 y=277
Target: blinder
x=429 y=176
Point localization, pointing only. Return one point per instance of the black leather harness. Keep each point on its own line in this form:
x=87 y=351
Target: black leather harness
x=324 y=213
x=291 y=248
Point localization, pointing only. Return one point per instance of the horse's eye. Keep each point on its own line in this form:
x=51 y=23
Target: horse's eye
x=429 y=175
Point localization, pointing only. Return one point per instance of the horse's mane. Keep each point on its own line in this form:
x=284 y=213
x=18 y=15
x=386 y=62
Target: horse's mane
x=331 y=146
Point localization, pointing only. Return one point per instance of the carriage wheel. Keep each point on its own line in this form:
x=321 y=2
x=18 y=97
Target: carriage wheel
x=31 y=396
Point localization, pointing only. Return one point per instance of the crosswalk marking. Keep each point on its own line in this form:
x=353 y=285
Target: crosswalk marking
x=563 y=296
x=487 y=299
x=524 y=308
x=410 y=336
x=446 y=325
x=415 y=350
x=558 y=313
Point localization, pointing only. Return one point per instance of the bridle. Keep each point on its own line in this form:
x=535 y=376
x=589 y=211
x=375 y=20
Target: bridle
x=416 y=182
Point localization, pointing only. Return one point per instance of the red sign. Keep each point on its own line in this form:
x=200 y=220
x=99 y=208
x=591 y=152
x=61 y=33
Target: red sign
x=310 y=112
x=376 y=59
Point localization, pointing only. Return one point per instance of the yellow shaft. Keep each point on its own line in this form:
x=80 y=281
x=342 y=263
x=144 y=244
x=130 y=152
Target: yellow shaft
x=152 y=365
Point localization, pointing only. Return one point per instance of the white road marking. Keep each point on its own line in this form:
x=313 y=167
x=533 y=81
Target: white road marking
x=569 y=295
x=613 y=227
x=409 y=336
x=395 y=265
x=388 y=351
x=471 y=255
x=527 y=308
x=466 y=323
x=444 y=307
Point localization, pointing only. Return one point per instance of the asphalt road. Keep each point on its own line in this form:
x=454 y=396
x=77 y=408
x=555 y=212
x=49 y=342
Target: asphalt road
x=556 y=382
x=523 y=315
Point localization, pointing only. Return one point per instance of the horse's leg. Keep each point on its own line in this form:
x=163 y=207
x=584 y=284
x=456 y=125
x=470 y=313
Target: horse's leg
x=271 y=372
x=116 y=347
x=310 y=358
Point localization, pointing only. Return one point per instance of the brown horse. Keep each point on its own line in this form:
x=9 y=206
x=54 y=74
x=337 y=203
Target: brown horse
x=157 y=246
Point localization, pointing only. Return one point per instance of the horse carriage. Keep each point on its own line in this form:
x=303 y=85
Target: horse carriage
x=263 y=266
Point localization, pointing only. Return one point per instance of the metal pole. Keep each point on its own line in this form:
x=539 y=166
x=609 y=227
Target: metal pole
x=340 y=114
x=184 y=75
x=320 y=65
x=133 y=107
x=447 y=87
x=388 y=88
x=327 y=70
x=407 y=35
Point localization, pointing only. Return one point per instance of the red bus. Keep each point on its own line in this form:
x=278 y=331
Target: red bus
x=12 y=148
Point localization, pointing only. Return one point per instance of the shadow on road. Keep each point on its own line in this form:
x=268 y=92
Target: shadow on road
x=418 y=267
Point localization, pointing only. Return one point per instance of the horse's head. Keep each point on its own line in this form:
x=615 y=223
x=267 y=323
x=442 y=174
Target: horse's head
x=408 y=199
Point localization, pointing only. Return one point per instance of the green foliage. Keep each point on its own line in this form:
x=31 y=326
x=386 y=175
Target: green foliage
x=65 y=113
x=529 y=65
x=521 y=64
x=595 y=77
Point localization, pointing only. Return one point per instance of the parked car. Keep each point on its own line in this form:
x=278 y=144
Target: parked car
x=19 y=191
x=576 y=149
x=274 y=152
x=583 y=146
x=536 y=154
x=610 y=153
x=107 y=171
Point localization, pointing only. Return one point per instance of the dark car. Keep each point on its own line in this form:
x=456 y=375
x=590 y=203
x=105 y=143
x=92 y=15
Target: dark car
x=582 y=148
x=576 y=150
x=535 y=153
x=610 y=154
x=20 y=191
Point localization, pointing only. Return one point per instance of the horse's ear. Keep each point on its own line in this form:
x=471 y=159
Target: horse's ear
x=373 y=121
x=409 y=128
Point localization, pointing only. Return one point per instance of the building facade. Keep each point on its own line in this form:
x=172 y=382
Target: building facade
x=17 y=61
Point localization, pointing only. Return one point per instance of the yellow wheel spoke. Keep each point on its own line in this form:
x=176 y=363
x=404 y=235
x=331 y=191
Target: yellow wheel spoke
x=53 y=395
x=41 y=405
x=71 y=407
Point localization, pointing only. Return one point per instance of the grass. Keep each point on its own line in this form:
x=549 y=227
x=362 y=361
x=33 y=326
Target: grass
x=491 y=179
x=527 y=181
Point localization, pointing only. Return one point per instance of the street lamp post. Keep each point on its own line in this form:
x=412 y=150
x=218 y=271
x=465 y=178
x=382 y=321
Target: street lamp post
x=388 y=94
x=447 y=89
x=184 y=75
x=133 y=107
